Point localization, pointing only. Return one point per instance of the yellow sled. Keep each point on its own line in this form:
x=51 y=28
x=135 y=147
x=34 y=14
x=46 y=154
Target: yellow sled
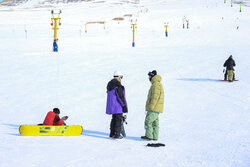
x=37 y=130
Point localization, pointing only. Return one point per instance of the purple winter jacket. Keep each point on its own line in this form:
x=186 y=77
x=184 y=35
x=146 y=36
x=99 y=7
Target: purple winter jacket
x=114 y=102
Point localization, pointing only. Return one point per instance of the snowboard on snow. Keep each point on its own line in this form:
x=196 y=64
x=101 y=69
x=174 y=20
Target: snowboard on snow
x=123 y=133
x=155 y=145
x=123 y=130
x=37 y=130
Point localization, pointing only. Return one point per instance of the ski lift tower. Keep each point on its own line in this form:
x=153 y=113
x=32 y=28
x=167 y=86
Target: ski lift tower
x=133 y=27
x=55 y=21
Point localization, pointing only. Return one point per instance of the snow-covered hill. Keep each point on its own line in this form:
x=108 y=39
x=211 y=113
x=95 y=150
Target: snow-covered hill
x=205 y=122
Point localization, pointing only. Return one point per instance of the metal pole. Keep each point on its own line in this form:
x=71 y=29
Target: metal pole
x=133 y=44
x=166 y=30
x=55 y=29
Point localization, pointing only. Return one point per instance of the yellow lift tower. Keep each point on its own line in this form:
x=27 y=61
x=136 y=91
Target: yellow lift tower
x=133 y=26
x=54 y=21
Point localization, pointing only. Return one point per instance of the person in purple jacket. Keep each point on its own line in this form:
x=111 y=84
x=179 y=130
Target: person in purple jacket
x=116 y=104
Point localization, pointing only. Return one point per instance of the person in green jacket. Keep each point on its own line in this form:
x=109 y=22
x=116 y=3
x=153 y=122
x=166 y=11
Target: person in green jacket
x=154 y=106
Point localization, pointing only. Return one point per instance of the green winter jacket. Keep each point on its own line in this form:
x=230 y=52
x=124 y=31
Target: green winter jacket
x=155 y=101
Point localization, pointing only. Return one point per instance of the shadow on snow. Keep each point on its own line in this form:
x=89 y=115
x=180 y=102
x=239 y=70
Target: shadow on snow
x=13 y=126
x=199 y=79
x=103 y=135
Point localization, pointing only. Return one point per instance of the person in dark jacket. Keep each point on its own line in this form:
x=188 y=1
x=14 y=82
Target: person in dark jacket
x=116 y=104
x=52 y=118
x=229 y=64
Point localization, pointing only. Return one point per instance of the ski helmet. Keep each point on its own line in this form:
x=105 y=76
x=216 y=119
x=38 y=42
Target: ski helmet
x=117 y=74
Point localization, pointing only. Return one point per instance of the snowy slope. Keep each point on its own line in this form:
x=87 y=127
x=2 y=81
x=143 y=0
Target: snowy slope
x=205 y=122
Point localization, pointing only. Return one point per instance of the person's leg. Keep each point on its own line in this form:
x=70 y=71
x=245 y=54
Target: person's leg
x=118 y=123
x=156 y=128
x=112 y=126
x=225 y=75
x=60 y=122
x=230 y=75
x=150 y=118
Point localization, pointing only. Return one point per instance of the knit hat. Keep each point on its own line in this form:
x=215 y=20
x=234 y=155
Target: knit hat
x=153 y=73
x=56 y=110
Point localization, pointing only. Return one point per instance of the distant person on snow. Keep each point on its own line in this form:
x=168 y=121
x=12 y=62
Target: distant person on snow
x=55 y=46
x=116 y=104
x=154 y=106
x=229 y=64
x=52 y=118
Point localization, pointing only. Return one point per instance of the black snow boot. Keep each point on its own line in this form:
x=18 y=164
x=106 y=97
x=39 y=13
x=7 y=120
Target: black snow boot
x=112 y=133
x=118 y=137
x=145 y=138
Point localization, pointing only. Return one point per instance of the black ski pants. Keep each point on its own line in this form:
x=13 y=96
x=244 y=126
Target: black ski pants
x=115 y=125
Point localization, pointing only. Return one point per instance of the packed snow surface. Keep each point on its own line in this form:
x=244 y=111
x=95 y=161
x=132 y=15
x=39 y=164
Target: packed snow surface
x=205 y=121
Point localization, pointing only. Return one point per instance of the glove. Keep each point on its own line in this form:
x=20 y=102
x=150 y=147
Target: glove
x=64 y=118
x=124 y=109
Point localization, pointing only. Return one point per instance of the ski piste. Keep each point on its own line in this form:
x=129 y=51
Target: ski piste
x=37 y=130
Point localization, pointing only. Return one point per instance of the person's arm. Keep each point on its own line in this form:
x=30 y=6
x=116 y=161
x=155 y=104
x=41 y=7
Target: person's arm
x=156 y=91
x=225 y=64
x=121 y=95
x=56 y=119
x=121 y=99
x=64 y=118
x=49 y=118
